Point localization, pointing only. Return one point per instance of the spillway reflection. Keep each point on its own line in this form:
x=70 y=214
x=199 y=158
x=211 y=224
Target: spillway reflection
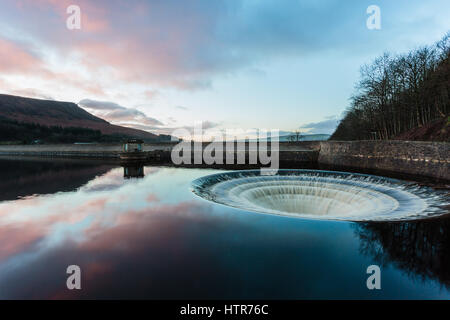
x=322 y=195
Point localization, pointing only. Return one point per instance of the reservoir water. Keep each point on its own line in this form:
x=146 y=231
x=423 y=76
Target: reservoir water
x=143 y=233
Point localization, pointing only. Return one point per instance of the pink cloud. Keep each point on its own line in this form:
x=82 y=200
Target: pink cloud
x=16 y=59
x=153 y=43
x=20 y=59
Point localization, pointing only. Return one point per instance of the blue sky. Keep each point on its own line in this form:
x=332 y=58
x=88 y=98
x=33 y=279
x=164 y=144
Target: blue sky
x=166 y=64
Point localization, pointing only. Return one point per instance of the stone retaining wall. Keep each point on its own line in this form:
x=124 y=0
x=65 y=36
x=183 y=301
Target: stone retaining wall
x=430 y=159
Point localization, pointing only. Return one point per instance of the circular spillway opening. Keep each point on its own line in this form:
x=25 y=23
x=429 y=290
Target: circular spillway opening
x=320 y=194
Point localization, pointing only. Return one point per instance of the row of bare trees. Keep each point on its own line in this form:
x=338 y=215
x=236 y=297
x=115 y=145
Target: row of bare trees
x=398 y=93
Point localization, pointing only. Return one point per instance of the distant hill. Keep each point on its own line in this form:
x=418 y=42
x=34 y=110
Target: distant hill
x=47 y=113
x=305 y=137
x=291 y=137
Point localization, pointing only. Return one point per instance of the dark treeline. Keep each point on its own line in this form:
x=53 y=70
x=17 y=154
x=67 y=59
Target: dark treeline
x=397 y=93
x=12 y=131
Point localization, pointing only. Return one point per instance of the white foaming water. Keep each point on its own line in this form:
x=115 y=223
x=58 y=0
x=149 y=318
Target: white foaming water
x=322 y=195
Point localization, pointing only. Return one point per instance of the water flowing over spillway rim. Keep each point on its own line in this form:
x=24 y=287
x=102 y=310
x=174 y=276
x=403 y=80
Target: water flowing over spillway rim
x=394 y=200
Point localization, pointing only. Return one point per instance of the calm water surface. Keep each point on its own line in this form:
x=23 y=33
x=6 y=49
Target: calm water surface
x=150 y=237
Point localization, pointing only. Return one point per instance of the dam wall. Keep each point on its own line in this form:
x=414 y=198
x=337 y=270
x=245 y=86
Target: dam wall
x=300 y=152
x=62 y=150
x=76 y=150
x=431 y=159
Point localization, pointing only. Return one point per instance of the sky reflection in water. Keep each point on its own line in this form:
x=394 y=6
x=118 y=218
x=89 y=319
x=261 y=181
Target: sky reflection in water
x=152 y=238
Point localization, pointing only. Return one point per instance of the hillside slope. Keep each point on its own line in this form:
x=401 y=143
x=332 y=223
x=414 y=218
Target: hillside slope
x=64 y=114
x=438 y=130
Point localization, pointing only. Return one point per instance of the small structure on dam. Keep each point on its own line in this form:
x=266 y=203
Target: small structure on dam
x=133 y=151
x=136 y=171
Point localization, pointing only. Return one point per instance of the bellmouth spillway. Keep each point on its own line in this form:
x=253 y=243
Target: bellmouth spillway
x=328 y=195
